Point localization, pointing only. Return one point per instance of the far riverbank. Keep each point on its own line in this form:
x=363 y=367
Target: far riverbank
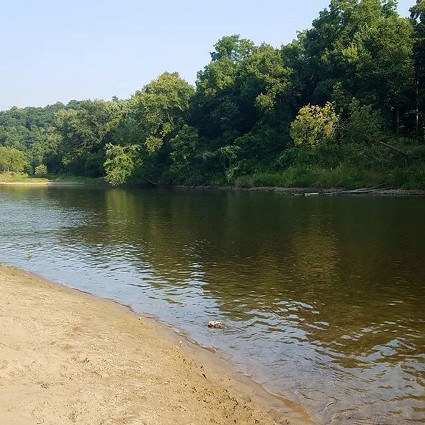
x=295 y=191
x=314 y=191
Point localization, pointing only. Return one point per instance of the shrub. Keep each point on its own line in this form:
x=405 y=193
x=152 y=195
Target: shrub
x=314 y=125
x=12 y=160
x=40 y=170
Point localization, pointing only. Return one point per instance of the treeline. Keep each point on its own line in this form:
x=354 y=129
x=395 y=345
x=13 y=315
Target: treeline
x=342 y=105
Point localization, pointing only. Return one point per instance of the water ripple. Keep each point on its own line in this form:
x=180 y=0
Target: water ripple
x=323 y=303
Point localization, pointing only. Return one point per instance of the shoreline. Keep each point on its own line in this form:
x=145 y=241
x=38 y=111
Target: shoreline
x=313 y=191
x=47 y=183
x=61 y=346
x=293 y=191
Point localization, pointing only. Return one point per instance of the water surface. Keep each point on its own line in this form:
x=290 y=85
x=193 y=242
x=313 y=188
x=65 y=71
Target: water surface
x=324 y=297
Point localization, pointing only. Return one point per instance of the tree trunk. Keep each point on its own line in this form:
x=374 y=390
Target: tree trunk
x=417 y=105
x=397 y=119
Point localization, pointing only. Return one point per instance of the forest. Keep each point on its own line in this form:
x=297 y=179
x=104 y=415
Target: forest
x=342 y=105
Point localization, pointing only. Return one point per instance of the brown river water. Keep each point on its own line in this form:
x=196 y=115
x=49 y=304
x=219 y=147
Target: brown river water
x=323 y=297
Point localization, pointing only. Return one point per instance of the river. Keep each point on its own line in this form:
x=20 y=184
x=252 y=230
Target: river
x=323 y=297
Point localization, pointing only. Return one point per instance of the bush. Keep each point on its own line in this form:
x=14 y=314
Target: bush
x=12 y=160
x=40 y=170
x=314 y=125
x=343 y=176
x=120 y=163
x=93 y=166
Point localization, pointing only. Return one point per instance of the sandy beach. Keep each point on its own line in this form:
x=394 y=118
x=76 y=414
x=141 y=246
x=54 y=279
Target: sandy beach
x=70 y=358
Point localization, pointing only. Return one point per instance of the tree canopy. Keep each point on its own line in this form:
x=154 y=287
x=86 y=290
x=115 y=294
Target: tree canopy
x=346 y=94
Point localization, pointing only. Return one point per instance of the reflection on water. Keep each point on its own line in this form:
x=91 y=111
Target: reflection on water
x=324 y=298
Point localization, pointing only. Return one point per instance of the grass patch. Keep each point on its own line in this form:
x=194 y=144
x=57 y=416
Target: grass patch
x=25 y=178
x=20 y=178
x=343 y=176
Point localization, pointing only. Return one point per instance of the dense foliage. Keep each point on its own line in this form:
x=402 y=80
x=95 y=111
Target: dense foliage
x=342 y=105
x=12 y=160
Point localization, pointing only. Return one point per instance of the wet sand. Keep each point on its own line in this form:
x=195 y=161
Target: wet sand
x=67 y=357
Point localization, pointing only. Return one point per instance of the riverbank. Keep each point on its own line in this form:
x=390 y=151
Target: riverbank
x=294 y=191
x=312 y=191
x=68 y=357
x=42 y=183
x=20 y=179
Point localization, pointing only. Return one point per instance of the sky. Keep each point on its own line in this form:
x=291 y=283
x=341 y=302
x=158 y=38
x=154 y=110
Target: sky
x=58 y=50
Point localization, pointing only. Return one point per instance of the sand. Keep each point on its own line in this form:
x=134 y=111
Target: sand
x=70 y=358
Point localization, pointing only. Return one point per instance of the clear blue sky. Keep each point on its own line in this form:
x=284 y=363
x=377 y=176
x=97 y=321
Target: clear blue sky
x=58 y=50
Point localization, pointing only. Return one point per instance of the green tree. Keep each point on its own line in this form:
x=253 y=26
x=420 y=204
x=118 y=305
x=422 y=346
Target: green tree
x=184 y=155
x=12 y=160
x=162 y=108
x=84 y=130
x=40 y=170
x=29 y=130
x=356 y=48
x=239 y=97
x=155 y=115
x=120 y=163
x=364 y=124
x=314 y=125
x=384 y=66
x=218 y=112
x=417 y=17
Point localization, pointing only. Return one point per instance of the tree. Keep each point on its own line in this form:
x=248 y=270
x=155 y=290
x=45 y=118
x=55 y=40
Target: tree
x=417 y=18
x=151 y=119
x=364 y=124
x=264 y=77
x=351 y=87
x=314 y=125
x=120 y=163
x=40 y=170
x=239 y=98
x=162 y=108
x=233 y=48
x=83 y=130
x=30 y=130
x=12 y=160
x=219 y=113
x=384 y=66
x=356 y=48
x=184 y=150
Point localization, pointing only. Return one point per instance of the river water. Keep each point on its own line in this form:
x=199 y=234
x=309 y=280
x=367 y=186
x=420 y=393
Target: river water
x=323 y=297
